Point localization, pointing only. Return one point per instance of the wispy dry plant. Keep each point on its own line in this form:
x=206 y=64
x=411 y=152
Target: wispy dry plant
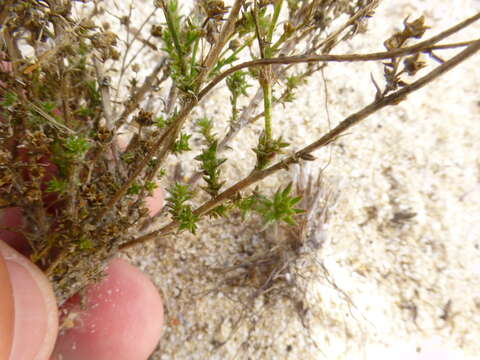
x=275 y=267
x=83 y=197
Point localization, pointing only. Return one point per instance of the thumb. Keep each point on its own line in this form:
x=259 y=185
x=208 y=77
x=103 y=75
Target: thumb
x=28 y=310
x=6 y=311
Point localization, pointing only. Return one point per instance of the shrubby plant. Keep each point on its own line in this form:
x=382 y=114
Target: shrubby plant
x=83 y=196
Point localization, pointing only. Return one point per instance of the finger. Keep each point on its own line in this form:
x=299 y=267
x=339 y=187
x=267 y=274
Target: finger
x=6 y=311
x=35 y=311
x=12 y=218
x=156 y=201
x=6 y=66
x=122 y=320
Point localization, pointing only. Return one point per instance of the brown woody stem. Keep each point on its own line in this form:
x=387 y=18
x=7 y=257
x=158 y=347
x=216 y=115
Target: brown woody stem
x=346 y=124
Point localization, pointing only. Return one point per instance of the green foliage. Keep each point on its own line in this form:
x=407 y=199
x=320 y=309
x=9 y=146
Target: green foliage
x=128 y=157
x=161 y=173
x=59 y=158
x=246 y=25
x=219 y=211
x=210 y=167
x=68 y=150
x=210 y=163
x=224 y=62
x=179 y=194
x=280 y=208
x=134 y=189
x=96 y=186
x=9 y=99
x=238 y=85
x=93 y=93
x=160 y=122
x=85 y=243
x=150 y=186
x=293 y=5
x=48 y=106
x=57 y=185
x=187 y=220
x=181 y=144
x=179 y=209
x=76 y=145
x=267 y=149
x=181 y=38
x=206 y=125
x=246 y=204
x=292 y=83
x=85 y=111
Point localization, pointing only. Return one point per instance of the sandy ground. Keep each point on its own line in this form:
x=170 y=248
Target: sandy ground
x=403 y=241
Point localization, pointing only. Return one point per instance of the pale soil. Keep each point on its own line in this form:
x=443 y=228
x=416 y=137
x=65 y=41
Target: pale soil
x=414 y=284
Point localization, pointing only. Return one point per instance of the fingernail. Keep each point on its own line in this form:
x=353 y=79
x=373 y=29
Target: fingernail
x=35 y=318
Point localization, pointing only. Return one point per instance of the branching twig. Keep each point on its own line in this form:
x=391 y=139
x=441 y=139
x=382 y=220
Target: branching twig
x=105 y=92
x=225 y=34
x=136 y=98
x=346 y=124
x=421 y=46
x=170 y=135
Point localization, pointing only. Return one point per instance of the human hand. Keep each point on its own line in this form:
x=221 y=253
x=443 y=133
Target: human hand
x=121 y=319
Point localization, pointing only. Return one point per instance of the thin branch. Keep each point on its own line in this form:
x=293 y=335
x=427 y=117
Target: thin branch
x=173 y=33
x=4 y=10
x=346 y=124
x=170 y=135
x=421 y=46
x=246 y=116
x=215 y=51
x=330 y=39
x=136 y=98
x=452 y=45
x=124 y=58
x=105 y=93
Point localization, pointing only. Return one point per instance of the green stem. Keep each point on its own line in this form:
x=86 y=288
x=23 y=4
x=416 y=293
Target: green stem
x=271 y=28
x=230 y=59
x=267 y=105
x=265 y=74
x=352 y=120
x=194 y=55
x=176 y=41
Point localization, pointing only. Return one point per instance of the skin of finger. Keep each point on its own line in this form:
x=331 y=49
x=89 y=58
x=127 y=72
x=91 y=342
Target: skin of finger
x=122 y=320
x=12 y=217
x=35 y=309
x=6 y=311
x=156 y=201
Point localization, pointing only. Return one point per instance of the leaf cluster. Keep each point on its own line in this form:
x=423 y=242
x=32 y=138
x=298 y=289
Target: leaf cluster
x=181 y=144
x=209 y=161
x=267 y=149
x=237 y=85
x=280 y=208
x=178 y=207
x=181 y=38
